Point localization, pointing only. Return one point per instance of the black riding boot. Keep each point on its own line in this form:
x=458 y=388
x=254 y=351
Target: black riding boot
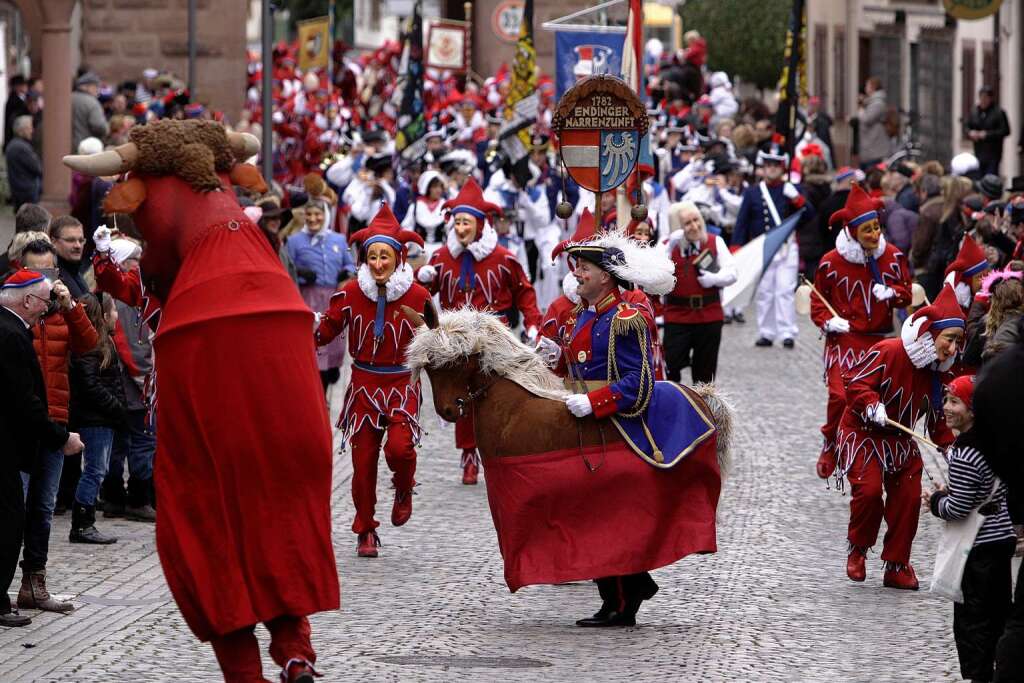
x=83 y=526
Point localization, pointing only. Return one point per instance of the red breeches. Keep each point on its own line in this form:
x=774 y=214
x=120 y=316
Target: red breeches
x=464 y=436
x=400 y=456
x=900 y=508
x=238 y=653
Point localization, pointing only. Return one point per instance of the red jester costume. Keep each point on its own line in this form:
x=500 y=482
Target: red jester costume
x=900 y=381
x=864 y=279
x=381 y=396
x=472 y=269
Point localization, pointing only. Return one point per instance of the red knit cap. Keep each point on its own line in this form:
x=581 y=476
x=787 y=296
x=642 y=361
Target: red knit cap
x=22 y=278
x=963 y=388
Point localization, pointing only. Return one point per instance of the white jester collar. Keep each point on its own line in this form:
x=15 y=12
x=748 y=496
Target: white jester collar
x=480 y=248
x=397 y=285
x=849 y=248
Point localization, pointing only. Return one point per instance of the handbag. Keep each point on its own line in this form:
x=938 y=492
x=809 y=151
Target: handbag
x=954 y=547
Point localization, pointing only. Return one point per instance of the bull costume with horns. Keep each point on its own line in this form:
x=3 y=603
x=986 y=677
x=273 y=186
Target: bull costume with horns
x=381 y=397
x=864 y=279
x=472 y=269
x=606 y=355
x=898 y=382
x=243 y=483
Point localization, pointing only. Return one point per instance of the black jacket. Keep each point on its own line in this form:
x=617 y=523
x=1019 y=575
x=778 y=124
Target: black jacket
x=97 y=394
x=24 y=171
x=15 y=107
x=832 y=203
x=996 y=126
x=25 y=424
x=71 y=276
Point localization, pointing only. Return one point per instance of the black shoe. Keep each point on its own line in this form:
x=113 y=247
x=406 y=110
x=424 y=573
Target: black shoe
x=12 y=619
x=788 y=343
x=83 y=527
x=613 y=619
x=600 y=615
x=763 y=342
x=738 y=317
x=727 y=320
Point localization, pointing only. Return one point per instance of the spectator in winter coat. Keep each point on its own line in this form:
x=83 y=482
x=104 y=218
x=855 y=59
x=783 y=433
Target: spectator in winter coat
x=87 y=117
x=988 y=126
x=24 y=167
x=875 y=143
x=899 y=223
x=935 y=245
x=98 y=407
x=63 y=331
x=68 y=238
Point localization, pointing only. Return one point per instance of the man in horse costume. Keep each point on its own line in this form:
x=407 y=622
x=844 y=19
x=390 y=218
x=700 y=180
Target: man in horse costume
x=630 y=486
x=472 y=269
x=243 y=459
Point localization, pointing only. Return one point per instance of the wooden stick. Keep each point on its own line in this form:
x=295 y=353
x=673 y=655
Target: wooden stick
x=820 y=297
x=910 y=432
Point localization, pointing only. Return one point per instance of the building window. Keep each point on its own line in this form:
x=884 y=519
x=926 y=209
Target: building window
x=821 y=62
x=989 y=67
x=375 y=14
x=839 y=72
x=968 y=89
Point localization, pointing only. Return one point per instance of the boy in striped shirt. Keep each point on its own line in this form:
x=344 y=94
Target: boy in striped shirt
x=978 y=621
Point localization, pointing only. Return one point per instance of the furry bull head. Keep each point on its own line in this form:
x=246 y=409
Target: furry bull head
x=195 y=151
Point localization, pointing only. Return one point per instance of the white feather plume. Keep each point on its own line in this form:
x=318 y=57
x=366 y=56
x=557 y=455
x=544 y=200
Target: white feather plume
x=647 y=267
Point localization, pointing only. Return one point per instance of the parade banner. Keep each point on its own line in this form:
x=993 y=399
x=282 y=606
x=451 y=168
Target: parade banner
x=314 y=43
x=793 y=81
x=753 y=258
x=599 y=123
x=446 y=46
x=579 y=54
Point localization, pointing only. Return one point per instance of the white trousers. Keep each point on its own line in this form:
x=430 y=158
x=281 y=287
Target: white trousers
x=776 y=314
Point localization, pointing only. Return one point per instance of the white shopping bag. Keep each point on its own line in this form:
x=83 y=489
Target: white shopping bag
x=954 y=547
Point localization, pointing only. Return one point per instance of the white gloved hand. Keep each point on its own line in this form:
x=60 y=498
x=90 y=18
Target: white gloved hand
x=876 y=414
x=790 y=191
x=837 y=324
x=882 y=292
x=101 y=237
x=706 y=280
x=426 y=274
x=531 y=333
x=922 y=350
x=549 y=351
x=317 y=317
x=579 y=405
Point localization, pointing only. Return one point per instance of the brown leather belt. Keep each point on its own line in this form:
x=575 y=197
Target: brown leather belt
x=590 y=384
x=695 y=301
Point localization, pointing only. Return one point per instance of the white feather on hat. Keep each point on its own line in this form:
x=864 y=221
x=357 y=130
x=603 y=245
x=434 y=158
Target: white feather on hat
x=647 y=267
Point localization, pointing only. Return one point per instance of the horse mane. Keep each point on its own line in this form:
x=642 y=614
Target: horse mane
x=467 y=332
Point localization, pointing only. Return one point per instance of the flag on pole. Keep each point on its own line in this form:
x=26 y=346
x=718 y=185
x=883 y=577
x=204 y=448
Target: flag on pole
x=408 y=97
x=632 y=74
x=522 y=101
x=793 y=81
x=753 y=259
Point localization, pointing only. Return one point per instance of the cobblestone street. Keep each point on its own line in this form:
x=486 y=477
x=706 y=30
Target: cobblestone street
x=773 y=604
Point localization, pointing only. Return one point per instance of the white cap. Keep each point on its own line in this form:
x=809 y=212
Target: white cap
x=963 y=163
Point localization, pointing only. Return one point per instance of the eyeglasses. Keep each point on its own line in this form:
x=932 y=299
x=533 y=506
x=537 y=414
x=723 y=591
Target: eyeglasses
x=45 y=301
x=73 y=240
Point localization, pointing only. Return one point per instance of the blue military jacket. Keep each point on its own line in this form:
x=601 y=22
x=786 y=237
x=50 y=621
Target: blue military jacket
x=610 y=360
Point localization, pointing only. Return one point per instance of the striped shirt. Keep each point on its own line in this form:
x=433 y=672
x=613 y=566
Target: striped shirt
x=970 y=484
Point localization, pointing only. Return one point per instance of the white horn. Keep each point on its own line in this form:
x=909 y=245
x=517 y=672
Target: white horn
x=111 y=162
x=244 y=145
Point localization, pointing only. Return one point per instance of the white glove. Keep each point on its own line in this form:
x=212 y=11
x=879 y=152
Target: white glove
x=102 y=239
x=579 y=405
x=531 y=333
x=706 y=280
x=426 y=274
x=837 y=324
x=883 y=292
x=317 y=317
x=790 y=191
x=549 y=351
x=876 y=414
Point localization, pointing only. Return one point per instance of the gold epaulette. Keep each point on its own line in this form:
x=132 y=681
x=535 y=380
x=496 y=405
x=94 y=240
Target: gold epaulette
x=628 y=319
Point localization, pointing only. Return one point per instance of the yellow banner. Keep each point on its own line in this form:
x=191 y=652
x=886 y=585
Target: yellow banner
x=314 y=43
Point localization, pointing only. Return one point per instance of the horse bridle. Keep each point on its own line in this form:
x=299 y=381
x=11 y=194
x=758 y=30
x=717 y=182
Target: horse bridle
x=472 y=396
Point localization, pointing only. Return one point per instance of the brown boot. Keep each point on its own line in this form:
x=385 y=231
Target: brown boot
x=33 y=593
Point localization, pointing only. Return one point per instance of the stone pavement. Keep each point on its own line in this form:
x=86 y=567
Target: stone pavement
x=773 y=604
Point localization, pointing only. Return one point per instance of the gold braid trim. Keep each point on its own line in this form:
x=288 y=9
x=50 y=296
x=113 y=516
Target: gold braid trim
x=624 y=326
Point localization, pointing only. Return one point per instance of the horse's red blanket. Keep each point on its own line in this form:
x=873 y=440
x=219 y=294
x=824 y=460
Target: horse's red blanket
x=557 y=521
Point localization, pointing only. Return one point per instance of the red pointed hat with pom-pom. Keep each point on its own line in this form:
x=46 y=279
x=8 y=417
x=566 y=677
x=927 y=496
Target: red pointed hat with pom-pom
x=471 y=200
x=970 y=261
x=860 y=207
x=942 y=313
x=384 y=228
x=585 y=230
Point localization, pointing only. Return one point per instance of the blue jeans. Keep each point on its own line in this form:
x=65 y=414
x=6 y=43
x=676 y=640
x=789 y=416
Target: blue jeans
x=98 y=443
x=40 y=497
x=136 y=444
